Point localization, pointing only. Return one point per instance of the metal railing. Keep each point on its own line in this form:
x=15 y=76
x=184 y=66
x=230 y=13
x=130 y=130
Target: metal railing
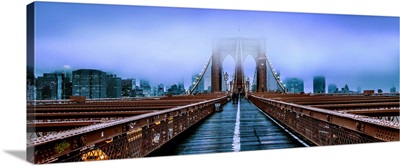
x=326 y=127
x=124 y=138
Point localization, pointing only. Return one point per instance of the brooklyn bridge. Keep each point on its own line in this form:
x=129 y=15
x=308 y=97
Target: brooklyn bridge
x=238 y=115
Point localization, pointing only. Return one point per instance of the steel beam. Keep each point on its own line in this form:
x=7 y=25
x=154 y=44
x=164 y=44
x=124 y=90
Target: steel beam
x=58 y=126
x=124 y=138
x=80 y=115
x=375 y=112
x=327 y=127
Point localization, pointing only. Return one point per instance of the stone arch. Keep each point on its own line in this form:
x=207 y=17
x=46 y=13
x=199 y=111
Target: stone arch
x=239 y=49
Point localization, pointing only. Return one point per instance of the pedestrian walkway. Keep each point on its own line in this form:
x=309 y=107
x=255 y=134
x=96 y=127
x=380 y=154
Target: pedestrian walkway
x=226 y=132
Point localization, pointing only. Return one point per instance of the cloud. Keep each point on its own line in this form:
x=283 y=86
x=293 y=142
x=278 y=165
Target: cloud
x=167 y=45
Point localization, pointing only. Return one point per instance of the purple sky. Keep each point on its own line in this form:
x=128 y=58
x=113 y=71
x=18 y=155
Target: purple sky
x=167 y=45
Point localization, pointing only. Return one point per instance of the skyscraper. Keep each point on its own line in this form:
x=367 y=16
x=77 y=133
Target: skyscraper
x=332 y=88
x=90 y=83
x=393 y=89
x=30 y=92
x=319 y=84
x=173 y=90
x=359 y=89
x=294 y=85
x=31 y=81
x=345 y=89
x=160 y=90
x=128 y=85
x=52 y=86
x=145 y=86
x=181 y=86
x=114 y=86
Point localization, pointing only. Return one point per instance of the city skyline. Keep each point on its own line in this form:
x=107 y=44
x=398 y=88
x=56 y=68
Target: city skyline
x=69 y=75
x=288 y=83
x=167 y=45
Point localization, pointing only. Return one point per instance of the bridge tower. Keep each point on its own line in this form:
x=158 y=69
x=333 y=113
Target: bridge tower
x=239 y=49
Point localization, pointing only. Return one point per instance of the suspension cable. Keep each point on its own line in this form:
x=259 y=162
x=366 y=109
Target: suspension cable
x=276 y=78
x=200 y=77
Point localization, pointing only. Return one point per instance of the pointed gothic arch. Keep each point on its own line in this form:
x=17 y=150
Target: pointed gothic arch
x=239 y=49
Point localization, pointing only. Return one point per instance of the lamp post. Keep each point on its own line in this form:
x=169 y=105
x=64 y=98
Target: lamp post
x=226 y=77
x=248 y=84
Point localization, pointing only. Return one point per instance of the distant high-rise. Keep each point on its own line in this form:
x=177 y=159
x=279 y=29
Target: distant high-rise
x=67 y=71
x=30 y=84
x=145 y=86
x=254 y=84
x=114 y=86
x=90 y=83
x=294 y=85
x=127 y=86
x=345 y=89
x=30 y=92
x=176 y=89
x=160 y=90
x=359 y=89
x=173 y=90
x=137 y=92
x=332 y=88
x=393 y=89
x=319 y=84
x=181 y=86
x=52 y=86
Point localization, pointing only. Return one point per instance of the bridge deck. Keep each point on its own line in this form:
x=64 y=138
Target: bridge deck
x=239 y=127
x=217 y=133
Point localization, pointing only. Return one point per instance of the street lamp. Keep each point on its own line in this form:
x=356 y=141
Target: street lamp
x=226 y=77
x=248 y=84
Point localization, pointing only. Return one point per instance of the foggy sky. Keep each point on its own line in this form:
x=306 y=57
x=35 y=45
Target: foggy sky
x=167 y=45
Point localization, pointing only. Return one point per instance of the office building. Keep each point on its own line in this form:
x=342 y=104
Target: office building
x=294 y=85
x=393 y=89
x=359 y=89
x=114 y=86
x=160 y=90
x=319 y=84
x=176 y=89
x=128 y=85
x=145 y=87
x=52 y=86
x=90 y=83
x=332 y=88
x=345 y=89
